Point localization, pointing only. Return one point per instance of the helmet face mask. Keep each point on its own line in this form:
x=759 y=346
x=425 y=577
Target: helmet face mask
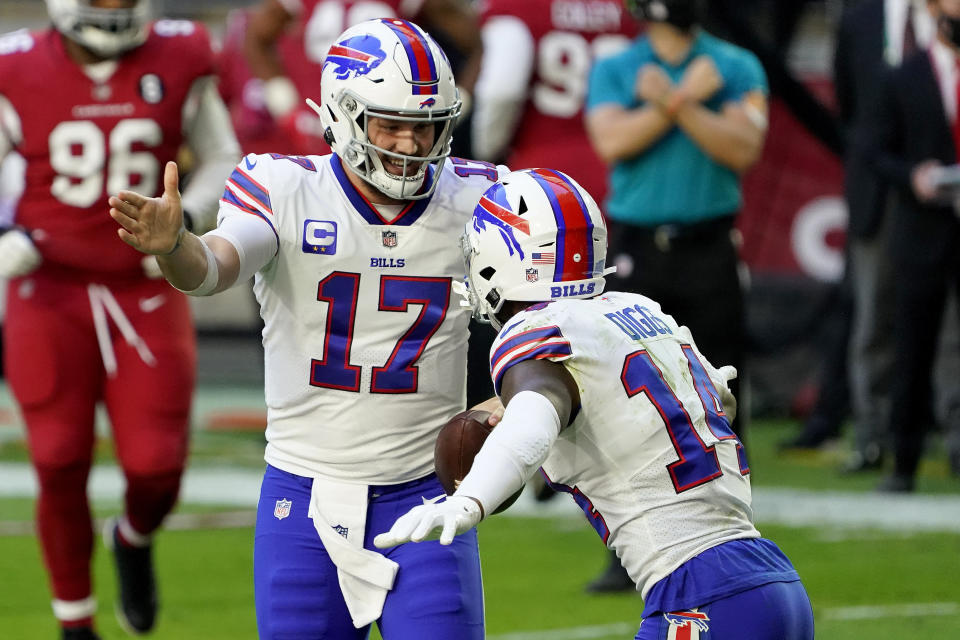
x=535 y=236
x=105 y=32
x=389 y=69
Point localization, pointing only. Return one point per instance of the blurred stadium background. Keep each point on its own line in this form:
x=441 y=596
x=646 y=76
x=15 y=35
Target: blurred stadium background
x=876 y=566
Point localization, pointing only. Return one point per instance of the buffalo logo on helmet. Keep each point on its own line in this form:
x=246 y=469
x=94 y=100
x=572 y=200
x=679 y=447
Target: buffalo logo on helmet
x=358 y=55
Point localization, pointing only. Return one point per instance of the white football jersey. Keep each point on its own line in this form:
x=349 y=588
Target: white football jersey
x=649 y=456
x=365 y=343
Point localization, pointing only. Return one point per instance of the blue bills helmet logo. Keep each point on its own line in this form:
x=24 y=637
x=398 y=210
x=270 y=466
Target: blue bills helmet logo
x=429 y=102
x=282 y=509
x=358 y=55
x=690 y=619
x=320 y=236
x=499 y=215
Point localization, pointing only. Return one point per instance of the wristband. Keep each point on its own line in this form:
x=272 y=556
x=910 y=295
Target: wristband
x=179 y=242
x=210 y=280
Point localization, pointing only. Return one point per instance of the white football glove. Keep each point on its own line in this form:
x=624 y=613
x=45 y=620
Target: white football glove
x=450 y=518
x=18 y=255
x=727 y=373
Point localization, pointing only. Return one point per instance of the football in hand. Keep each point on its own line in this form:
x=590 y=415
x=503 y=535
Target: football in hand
x=458 y=443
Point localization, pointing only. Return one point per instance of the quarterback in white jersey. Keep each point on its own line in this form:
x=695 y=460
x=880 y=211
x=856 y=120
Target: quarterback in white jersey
x=363 y=341
x=354 y=256
x=611 y=399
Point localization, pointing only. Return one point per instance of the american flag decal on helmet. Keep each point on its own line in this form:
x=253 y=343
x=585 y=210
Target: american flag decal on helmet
x=574 y=226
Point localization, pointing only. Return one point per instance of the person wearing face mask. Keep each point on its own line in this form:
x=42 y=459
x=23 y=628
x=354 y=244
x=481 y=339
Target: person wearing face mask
x=914 y=131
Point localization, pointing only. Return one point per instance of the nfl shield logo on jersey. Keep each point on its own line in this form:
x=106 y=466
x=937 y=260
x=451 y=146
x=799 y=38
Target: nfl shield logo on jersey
x=282 y=508
x=533 y=275
x=389 y=238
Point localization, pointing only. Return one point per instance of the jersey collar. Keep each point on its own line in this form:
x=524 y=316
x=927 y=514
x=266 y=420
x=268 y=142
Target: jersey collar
x=410 y=214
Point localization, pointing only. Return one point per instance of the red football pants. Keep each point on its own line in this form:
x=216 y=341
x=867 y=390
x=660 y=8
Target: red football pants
x=53 y=362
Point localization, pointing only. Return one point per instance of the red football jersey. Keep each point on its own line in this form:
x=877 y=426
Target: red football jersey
x=85 y=140
x=568 y=35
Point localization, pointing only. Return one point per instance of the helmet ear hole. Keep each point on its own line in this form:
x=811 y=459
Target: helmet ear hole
x=522 y=206
x=487 y=273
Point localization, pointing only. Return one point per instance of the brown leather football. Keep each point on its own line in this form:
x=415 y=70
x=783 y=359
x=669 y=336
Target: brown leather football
x=458 y=443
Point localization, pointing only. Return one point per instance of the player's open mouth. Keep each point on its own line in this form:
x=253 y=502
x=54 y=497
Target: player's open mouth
x=395 y=166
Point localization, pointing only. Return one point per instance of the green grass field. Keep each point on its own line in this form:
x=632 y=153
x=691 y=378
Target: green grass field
x=876 y=584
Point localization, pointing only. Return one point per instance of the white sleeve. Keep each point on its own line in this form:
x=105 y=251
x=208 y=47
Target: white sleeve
x=254 y=240
x=10 y=129
x=501 y=89
x=210 y=136
x=12 y=169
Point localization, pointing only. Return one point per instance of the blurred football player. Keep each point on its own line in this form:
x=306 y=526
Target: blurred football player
x=529 y=97
x=354 y=255
x=282 y=45
x=98 y=103
x=616 y=403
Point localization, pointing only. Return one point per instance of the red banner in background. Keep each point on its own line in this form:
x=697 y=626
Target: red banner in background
x=794 y=217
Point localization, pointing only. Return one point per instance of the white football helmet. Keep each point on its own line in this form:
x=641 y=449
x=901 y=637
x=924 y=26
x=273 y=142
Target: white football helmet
x=536 y=235
x=106 y=32
x=389 y=68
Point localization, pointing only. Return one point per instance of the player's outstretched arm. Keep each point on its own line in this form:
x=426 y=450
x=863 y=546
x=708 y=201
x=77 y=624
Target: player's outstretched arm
x=540 y=396
x=155 y=226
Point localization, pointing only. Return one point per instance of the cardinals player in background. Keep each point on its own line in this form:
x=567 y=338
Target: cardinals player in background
x=100 y=102
x=529 y=97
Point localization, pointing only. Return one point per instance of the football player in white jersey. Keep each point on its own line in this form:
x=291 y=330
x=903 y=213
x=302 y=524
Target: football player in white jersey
x=612 y=399
x=354 y=255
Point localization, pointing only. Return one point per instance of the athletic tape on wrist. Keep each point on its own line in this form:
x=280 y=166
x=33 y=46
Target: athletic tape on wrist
x=212 y=277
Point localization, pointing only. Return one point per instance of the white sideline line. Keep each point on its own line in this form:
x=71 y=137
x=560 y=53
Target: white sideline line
x=570 y=633
x=231 y=486
x=919 y=609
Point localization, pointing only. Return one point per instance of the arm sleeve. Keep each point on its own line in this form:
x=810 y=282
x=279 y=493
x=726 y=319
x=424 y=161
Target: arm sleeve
x=212 y=140
x=10 y=131
x=253 y=239
x=501 y=90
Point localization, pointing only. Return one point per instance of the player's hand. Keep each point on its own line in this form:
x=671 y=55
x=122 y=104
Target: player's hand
x=18 y=255
x=434 y=518
x=494 y=407
x=150 y=225
x=727 y=399
x=922 y=181
x=701 y=79
x=653 y=84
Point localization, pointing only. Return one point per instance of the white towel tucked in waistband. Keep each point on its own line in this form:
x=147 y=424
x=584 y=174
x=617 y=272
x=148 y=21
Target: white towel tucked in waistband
x=339 y=514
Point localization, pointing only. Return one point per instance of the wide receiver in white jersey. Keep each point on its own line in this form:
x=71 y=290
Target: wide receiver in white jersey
x=612 y=398
x=354 y=255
